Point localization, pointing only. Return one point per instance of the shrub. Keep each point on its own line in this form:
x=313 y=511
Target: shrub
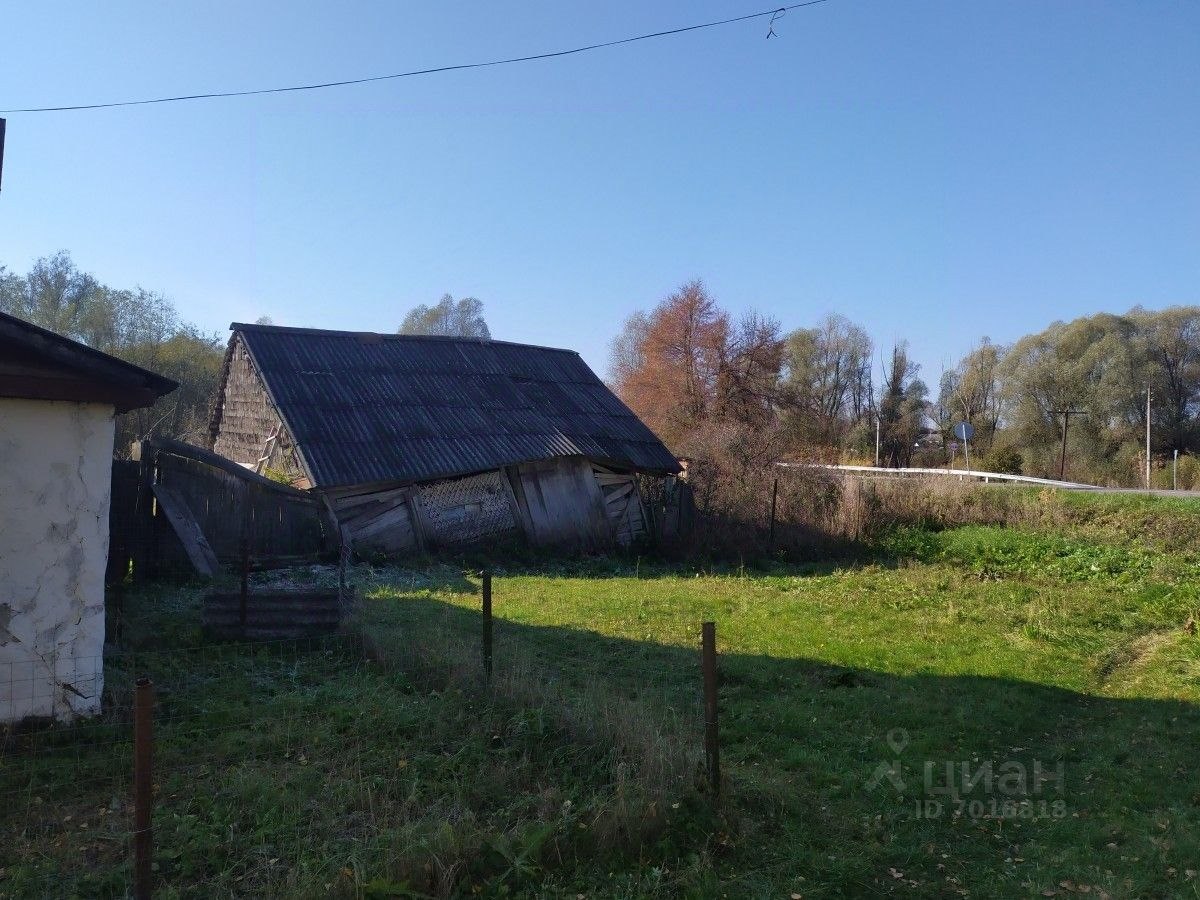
x=1189 y=473
x=1005 y=460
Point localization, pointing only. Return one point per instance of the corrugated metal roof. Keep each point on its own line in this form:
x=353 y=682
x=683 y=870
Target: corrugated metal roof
x=366 y=408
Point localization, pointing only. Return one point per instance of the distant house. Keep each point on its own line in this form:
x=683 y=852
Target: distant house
x=433 y=441
x=58 y=400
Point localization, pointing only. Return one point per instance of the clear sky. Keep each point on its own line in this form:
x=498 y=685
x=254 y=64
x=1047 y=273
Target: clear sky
x=936 y=171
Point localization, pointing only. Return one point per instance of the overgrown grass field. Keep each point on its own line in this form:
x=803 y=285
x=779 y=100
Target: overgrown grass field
x=853 y=694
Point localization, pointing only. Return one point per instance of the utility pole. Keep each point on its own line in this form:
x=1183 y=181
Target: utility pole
x=1175 y=471
x=1066 y=413
x=877 y=440
x=1147 y=435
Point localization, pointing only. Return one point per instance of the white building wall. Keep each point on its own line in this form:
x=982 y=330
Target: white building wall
x=55 y=484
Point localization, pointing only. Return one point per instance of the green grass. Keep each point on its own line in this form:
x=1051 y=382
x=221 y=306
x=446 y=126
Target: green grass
x=984 y=644
x=308 y=771
x=325 y=772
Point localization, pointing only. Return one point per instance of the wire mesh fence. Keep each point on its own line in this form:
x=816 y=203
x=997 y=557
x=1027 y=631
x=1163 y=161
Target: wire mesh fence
x=221 y=710
x=292 y=768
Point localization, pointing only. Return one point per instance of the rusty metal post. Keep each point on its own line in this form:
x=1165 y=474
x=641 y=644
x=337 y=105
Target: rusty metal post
x=774 y=498
x=244 y=595
x=143 y=791
x=487 y=625
x=708 y=663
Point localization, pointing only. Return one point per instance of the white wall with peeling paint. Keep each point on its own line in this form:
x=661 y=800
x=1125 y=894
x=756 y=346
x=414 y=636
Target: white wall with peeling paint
x=55 y=484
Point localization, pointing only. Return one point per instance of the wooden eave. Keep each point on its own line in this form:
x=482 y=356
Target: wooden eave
x=39 y=372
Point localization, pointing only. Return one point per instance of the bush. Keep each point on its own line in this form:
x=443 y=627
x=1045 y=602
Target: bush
x=1189 y=473
x=1004 y=460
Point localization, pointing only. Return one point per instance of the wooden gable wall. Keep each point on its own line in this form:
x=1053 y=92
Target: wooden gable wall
x=247 y=428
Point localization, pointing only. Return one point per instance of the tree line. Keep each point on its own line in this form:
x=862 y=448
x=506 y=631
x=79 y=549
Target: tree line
x=133 y=324
x=745 y=391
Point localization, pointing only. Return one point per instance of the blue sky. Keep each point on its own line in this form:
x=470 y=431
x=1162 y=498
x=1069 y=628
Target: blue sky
x=936 y=171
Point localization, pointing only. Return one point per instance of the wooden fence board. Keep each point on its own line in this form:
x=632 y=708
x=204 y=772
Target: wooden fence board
x=187 y=530
x=227 y=505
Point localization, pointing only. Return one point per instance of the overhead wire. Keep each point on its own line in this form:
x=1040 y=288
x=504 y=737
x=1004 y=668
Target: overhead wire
x=774 y=12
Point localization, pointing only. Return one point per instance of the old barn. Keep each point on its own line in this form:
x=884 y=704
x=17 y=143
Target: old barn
x=422 y=442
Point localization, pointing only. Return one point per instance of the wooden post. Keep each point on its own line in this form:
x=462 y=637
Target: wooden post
x=774 y=498
x=145 y=561
x=143 y=787
x=244 y=595
x=343 y=562
x=708 y=663
x=487 y=626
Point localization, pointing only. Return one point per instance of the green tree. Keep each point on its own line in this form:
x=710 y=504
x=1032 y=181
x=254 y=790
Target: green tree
x=902 y=408
x=827 y=381
x=448 y=317
x=1169 y=340
x=136 y=325
x=1091 y=365
x=970 y=392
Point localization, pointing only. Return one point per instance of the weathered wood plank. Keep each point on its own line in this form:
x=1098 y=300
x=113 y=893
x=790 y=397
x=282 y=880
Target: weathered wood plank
x=195 y=544
x=394 y=517
x=187 y=451
x=620 y=493
x=420 y=526
x=344 y=505
x=601 y=526
x=565 y=503
x=605 y=479
x=273 y=614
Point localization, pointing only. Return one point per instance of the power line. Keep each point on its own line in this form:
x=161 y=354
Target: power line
x=774 y=13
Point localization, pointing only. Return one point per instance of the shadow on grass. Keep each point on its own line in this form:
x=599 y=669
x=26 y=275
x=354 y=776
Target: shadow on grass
x=846 y=781
x=802 y=741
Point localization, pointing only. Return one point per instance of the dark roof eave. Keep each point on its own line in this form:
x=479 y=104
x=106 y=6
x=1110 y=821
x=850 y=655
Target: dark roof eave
x=138 y=386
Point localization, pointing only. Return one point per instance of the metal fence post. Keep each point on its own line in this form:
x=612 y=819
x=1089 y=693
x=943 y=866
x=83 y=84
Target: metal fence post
x=143 y=787
x=487 y=625
x=708 y=662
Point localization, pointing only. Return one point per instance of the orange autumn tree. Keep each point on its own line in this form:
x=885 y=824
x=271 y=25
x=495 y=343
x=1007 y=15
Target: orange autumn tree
x=686 y=369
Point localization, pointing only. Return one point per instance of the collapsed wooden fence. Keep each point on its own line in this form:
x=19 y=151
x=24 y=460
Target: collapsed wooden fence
x=177 y=508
